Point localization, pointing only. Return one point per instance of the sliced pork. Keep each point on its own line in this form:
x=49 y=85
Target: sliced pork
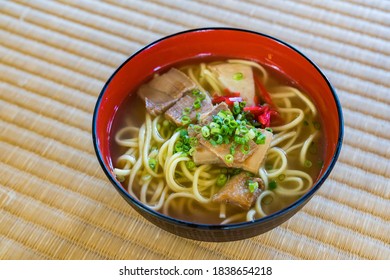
x=236 y=78
x=164 y=90
x=237 y=192
x=206 y=153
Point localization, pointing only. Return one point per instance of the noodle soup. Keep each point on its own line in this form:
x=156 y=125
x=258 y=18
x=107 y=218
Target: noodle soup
x=217 y=142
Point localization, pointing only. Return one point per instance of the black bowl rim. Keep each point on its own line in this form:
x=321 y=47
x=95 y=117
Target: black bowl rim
x=300 y=202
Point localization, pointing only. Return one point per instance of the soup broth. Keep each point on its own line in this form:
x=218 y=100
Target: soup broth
x=152 y=166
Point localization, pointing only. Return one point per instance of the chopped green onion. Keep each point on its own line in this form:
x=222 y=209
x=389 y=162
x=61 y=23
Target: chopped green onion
x=233 y=149
x=253 y=186
x=185 y=120
x=236 y=108
x=218 y=139
x=245 y=149
x=238 y=76
x=221 y=180
x=307 y=163
x=197 y=128
x=272 y=185
x=224 y=129
x=190 y=165
x=186 y=111
x=243 y=130
x=281 y=177
x=197 y=116
x=269 y=129
x=205 y=132
x=215 y=130
x=213 y=125
x=229 y=158
x=183 y=133
x=178 y=146
x=193 y=141
x=260 y=139
x=242 y=104
x=221 y=114
x=191 y=151
x=239 y=140
x=197 y=103
x=152 y=163
x=251 y=134
x=195 y=92
x=213 y=142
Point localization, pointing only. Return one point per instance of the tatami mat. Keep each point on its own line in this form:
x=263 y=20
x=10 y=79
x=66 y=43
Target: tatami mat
x=55 y=201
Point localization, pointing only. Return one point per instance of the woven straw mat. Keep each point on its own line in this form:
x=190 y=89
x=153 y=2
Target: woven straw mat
x=55 y=201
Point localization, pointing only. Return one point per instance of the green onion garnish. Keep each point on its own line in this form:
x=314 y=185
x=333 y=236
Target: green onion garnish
x=221 y=180
x=190 y=165
x=260 y=139
x=245 y=149
x=205 y=132
x=229 y=158
x=152 y=163
x=195 y=92
x=281 y=177
x=253 y=186
x=218 y=139
x=272 y=185
x=307 y=163
x=186 y=110
x=185 y=120
x=238 y=76
x=197 y=103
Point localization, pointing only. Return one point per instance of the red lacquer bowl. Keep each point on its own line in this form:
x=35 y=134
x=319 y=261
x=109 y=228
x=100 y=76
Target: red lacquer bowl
x=218 y=42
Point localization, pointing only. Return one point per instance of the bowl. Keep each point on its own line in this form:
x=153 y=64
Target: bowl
x=218 y=42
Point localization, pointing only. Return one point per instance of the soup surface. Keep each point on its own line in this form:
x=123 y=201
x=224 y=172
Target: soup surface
x=217 y=142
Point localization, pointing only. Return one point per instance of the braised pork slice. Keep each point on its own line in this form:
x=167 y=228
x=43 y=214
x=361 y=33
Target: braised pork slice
x=202 y=155
x=236 y=78
x=255 y=161
x=237 y=192
x=164 y=90
x=186 y=103
x=206 y=153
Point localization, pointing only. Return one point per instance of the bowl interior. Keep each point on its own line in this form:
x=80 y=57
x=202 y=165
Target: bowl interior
x=219 y=43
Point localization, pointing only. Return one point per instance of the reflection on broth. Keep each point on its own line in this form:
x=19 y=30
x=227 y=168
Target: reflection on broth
x=217 y=142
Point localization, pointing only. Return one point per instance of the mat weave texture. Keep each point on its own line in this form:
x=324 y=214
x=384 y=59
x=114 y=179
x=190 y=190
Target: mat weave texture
x=55 y=56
